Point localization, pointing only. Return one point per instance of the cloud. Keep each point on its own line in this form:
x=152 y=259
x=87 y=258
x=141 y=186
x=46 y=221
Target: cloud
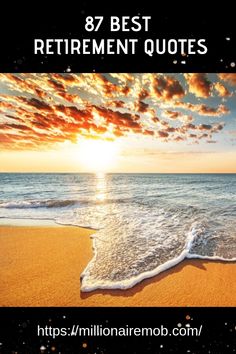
x=205 y=127
x=38 y=111
x=177 y=115
x=163 y=134
x=221 y=89
x=35 y=103
x=203 y=109
x=143 y=94
x=212 y=111
x=15 y=82
x=149 y=132
x=110 y=89
x=218 y=127
x=172 y=114
x=65 y=79
x=116 y=104
x=199 y=85
x=119 y=119
x=167 y=88
x=141 y=106
x=56 y=85
x=155 y=119
x=123 y=78
x=19 y=127
x=230 y=78
x=179 y=138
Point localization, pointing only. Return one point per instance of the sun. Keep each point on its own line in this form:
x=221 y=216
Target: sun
x=97 y=155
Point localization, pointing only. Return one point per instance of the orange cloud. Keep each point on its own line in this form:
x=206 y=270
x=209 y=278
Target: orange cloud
x=210 y=111
x=178 y=115
x=167 y=88
x=228 y=77
x=141 y=106
x=221 y=89
x=203 y=109
x=116 y=104
x=40 y=110
x=199 y=85
x=155 y=119
x=163 y=134
x=172 y=114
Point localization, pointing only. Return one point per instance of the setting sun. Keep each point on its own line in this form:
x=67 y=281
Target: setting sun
x=97 y=155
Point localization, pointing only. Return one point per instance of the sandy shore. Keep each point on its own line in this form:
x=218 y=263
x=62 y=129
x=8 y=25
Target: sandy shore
x=41 y=266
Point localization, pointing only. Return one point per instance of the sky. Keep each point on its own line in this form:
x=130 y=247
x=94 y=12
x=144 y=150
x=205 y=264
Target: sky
x=167 y=123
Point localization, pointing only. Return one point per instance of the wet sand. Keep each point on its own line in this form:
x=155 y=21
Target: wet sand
x=41 y=266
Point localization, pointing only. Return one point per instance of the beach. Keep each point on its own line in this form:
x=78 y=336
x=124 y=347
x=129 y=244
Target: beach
x=41 y=266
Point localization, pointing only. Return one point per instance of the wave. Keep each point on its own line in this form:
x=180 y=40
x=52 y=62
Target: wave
x=50 y=203
x=86 y=285
x=27 y=204
x=128 y=283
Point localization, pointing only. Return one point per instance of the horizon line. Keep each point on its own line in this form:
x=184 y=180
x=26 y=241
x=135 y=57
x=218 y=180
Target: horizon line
x=133 y=173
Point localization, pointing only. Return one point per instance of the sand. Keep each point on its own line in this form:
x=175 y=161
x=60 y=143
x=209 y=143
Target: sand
x=41 y=266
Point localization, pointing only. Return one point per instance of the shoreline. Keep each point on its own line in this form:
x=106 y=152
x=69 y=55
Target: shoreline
x=25 y=222
x=41 y=266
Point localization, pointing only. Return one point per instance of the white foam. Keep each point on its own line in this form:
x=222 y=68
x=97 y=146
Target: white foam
x=128 y=283
x=87 y=286
x=211 y=258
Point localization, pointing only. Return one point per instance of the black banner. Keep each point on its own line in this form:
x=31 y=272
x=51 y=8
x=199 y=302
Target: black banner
x=36 y=330
x=164 y=25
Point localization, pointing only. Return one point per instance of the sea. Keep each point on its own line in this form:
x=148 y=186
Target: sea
x=143 y=223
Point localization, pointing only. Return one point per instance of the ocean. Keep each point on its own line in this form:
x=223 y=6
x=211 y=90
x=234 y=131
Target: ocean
x=144 y=223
